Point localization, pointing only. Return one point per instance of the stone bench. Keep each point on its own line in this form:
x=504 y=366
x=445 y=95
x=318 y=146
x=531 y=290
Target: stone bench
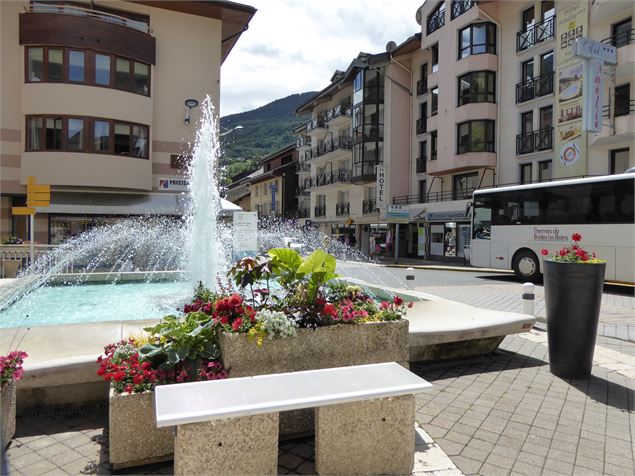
x=364 y=420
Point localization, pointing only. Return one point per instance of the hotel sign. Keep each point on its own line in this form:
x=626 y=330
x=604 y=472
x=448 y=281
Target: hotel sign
x=381 y=188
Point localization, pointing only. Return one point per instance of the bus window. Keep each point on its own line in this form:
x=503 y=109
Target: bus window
x=482 y=213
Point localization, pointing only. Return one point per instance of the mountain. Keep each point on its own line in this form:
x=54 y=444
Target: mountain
x=265 y=129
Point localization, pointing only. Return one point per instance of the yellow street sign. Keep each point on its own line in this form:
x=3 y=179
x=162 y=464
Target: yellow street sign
x=23 y=210
x=38 y=203
x=38 y=188
x=38 y=196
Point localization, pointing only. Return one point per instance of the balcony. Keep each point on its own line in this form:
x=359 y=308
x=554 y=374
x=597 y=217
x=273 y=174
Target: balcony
x=88 y=13
x=431 y=197
x=622 y=108
x=422 y=125
x=330 y=178
x=302 y=166
x=422 y=165
x=338 y=143
x=303 y=213
x=534 y=88
x=341 y=110
x=303 y=141
x=422 y=87
x=459 y=7
x=320 y=211
x=534 y=141
x=316 y=123
x=435 y=21
x=369 y=206
x=622 y=39
x=342 y=209
x=535 y=34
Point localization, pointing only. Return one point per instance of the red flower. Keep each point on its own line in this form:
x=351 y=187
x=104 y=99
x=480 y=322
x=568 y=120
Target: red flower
x=576 y=237
x=330 y=309
x=397 y=300
x=237 y=323
x=384 y=305
x=563 y=252
x=410 y=305
x=544 y=252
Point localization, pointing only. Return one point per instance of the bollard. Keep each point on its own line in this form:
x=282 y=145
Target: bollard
x=410 y=276
x=528 y=299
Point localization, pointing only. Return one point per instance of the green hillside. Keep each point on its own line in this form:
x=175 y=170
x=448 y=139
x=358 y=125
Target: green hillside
x=265 y=130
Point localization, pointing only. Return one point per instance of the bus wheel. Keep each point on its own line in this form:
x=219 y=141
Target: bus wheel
x=526 y=265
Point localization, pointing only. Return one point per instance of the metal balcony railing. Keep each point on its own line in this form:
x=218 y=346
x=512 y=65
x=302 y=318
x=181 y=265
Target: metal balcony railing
x=422 y=87
x=535 y=34
x=316 y=123
x=534 y=141
x=66 y=9
x=422 y=125
x=338 y=143
x=621 y=39
x=435 y=21
x=303 y=213
x=622 y=108
x=459 y=7
x=534 y=88
x=422 y=165
x=303 y=141
x=303 y=166
x=320 y=211
x=343 y=109
x=331 y=177
x=342 y=209
x=369 y=206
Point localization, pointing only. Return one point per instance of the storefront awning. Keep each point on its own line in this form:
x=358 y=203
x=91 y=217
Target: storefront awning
x=67 y=203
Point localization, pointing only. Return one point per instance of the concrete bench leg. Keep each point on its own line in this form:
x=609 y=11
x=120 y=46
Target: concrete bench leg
x=370 y=437
x=244 y=445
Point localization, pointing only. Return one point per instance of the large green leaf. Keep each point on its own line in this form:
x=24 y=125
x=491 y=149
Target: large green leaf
x=317 y=262
x=285 y=258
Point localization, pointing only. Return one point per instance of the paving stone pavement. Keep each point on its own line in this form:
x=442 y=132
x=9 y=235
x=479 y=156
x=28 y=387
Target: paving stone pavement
x=506 y=414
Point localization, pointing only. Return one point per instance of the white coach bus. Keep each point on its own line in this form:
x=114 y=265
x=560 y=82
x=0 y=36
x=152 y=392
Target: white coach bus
x=510 y=225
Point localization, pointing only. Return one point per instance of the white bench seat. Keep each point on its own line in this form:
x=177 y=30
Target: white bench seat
x=231 y=426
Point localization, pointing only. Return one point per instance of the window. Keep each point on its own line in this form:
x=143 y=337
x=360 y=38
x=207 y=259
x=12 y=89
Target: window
x=548 y=9
x=424 y=72
x=53 y=64
x=434 y=101
x=75 y=134
x=101 y=136
x=475 y=136
x=83 y=134
x=622 y=100
x=544 y=170
x=433 y=145
x=546 y=63
x=527 y=70
x=619 y=161
x=479 y=86
x=423 y=157
x=622 y=33
x=35 y=64
x=525 y=173
x=546 y=117
x=435 y=57
x=436 y=19
x=477 y=39
x=422 y=191
x=102 y=70
x=464 y=185
x=527 y=122
x=528 y=18
x=76 y=66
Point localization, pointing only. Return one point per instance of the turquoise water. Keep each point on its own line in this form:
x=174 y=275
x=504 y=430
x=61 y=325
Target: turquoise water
x=96 y=303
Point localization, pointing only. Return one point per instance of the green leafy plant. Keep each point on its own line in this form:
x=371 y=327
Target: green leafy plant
x=285 y=264
x=192 y=337
x=249 y=271
x=319 y=268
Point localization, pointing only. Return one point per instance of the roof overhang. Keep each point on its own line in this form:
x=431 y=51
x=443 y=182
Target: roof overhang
x=235 y=17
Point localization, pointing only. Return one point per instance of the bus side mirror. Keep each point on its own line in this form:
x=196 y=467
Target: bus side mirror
x=468 y=209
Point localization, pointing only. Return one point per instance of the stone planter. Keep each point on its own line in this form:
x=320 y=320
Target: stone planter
x=134 y=438
x=322 y=348
x=7 y=412
x=341 y=345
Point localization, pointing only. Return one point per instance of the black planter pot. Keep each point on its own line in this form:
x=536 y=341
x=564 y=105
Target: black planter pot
x=573 y=294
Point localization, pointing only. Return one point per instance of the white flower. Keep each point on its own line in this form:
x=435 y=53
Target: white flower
x=276 y=324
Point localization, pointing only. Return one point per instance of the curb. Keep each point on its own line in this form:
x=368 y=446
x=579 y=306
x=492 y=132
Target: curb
x=447 y=268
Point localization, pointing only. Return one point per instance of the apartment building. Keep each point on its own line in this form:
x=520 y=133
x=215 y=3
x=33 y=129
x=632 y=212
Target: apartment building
x=359 y=124
x=272 y=191
x=100 y=100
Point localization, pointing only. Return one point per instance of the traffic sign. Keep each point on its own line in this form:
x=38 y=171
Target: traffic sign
x=23 y=210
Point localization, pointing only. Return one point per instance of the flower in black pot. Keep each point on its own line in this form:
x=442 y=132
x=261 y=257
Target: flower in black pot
x=573 y=279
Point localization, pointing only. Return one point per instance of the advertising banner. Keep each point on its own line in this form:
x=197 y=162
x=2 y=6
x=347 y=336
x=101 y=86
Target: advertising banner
x=570 y=140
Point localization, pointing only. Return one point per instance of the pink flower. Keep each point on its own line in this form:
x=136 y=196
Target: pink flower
x=330 y=309
x=576 y=237
x=544 y=252
x=237 y=323
x=384 y=305
x=397 y=300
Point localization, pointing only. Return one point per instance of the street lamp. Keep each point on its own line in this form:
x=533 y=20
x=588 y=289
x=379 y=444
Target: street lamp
x=189 y=103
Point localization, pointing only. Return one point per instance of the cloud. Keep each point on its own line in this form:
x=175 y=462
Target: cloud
x=293 y=46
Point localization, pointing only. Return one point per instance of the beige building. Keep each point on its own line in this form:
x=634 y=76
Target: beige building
x=94 y=104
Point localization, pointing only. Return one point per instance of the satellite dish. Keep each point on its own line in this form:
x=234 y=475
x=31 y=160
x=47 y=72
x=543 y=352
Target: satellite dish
x=390 y=46
x=418 y=16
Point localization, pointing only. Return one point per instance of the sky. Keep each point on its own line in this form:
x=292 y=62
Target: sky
x=294 y=46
